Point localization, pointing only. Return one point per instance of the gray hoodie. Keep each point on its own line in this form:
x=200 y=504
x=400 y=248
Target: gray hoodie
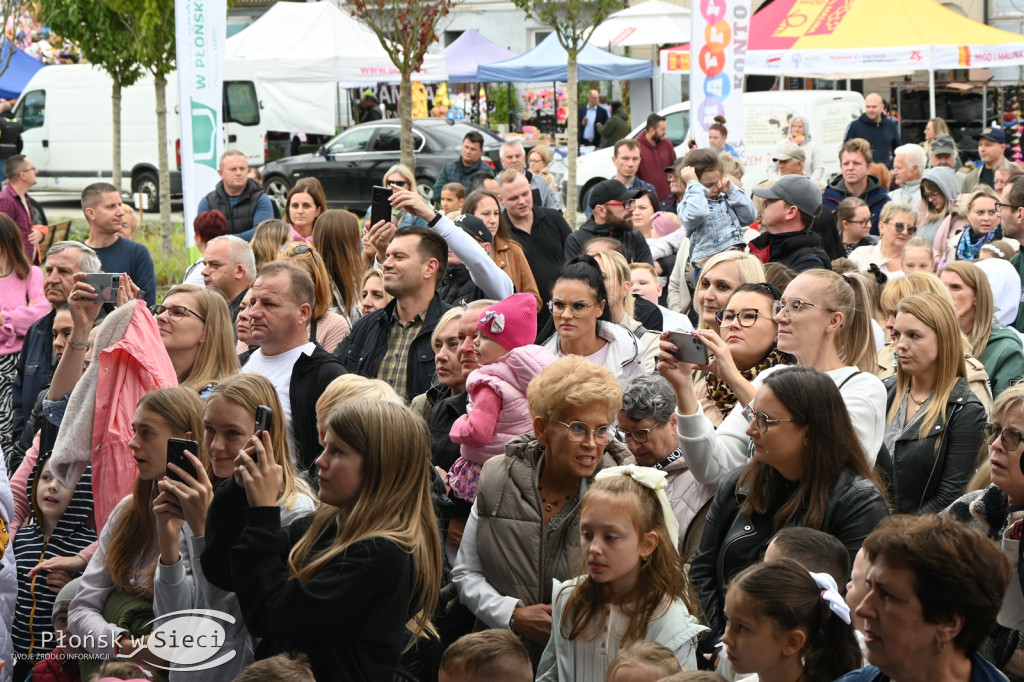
x=945 y=179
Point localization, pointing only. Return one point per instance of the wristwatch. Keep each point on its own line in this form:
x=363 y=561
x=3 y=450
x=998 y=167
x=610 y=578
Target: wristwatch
x=436 y=219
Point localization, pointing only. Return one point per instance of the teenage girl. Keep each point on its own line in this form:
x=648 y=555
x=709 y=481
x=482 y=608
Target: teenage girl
x=787 y=624
x=635 y=588
x=341 y=584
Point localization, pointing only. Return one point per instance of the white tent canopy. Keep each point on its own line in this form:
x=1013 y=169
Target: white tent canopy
x=654 y=22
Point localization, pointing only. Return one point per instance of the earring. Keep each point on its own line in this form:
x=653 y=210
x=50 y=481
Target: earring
x=940 y=646
x=643 y=561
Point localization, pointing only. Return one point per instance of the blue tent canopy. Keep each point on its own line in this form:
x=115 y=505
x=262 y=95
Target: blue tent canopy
x=468 y=52
x=549 y=62
x=18 y=73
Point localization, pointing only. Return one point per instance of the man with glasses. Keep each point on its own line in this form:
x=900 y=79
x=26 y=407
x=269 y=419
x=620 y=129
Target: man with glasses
x=791 y=204
x=240 y=198
x=229 y=266
x=647 y=425
x=613 y=205
x=21 y=176
x=1011 y=215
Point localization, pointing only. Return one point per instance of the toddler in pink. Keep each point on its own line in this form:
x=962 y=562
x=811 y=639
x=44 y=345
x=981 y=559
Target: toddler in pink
x=497 y=391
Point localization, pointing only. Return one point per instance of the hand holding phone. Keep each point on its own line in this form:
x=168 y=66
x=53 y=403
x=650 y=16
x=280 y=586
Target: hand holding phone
x=380 y=207
x=264 y=418
x=176 y=448
x=105 y=284
x=692 y=348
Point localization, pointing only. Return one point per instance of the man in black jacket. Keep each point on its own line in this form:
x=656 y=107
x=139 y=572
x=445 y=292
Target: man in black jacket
x=281 y=304
x=393 y=343
x=613 y=205
x=789 y=211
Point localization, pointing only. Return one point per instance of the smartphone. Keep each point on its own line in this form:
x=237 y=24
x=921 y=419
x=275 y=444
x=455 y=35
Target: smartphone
x=380 y=207
x=176 y=448
x=691 y=348
x=105 y=285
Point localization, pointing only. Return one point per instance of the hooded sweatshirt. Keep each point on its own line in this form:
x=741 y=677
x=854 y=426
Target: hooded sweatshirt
x=945 y=179
x=34 y=611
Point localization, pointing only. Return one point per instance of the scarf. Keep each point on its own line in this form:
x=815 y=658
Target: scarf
x=969 y=248
x=722 y=395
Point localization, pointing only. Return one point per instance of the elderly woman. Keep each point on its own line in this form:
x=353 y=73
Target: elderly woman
x=935 y=587
x=997 y=511
x=799 y=135
x=523 y=530
x=896 y=225
x=808 y=469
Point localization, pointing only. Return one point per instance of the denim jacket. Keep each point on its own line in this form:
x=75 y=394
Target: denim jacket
x=714 y=225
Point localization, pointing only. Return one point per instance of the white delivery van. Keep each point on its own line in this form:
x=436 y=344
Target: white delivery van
x=766 y=115
x=67 y=120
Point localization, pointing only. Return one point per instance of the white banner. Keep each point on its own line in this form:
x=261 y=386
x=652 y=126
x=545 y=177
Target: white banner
x=718 y=45
x=200 y=31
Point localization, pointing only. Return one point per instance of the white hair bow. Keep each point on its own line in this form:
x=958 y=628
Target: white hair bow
x=497 y=321
x=654 y=479
x=830 y=594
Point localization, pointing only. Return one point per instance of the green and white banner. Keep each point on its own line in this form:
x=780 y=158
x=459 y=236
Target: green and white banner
x=201 y=32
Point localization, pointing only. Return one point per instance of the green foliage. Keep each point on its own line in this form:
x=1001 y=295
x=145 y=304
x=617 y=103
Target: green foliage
x=505 y=100
x=99 y=32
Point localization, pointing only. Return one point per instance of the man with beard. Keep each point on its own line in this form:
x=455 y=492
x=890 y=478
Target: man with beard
x=612 y=205
x=656 y=154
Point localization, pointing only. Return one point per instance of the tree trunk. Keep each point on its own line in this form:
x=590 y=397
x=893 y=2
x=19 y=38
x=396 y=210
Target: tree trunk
x=572 y=132
x=405 y=116
x=115 y=101
x=165 y=173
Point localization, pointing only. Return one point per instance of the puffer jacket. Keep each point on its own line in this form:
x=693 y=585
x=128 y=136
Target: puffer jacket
x=71 y=535
x=624 y=359
x=732 y=540
x=508 y=378
x=925 y=475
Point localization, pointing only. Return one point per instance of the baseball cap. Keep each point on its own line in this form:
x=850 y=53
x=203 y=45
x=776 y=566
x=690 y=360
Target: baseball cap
x=790 y=151
x=943 y=144
x=474 y=227
x=611 y=190
x=994 y=134
x=795 y=190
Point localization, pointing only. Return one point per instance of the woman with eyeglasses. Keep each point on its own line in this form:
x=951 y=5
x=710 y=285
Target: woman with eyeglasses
x=195 y=326
x=982 y=228
x=896 y=225
x=398 y=177
x=583 y=321
x=722 y=273
x=997 y=346
x=934 y=422
x=853 y=220
x=823 y=321
x=523 y=530
x=326 y=327
x=996 y=511
x=938 y=194
x=807 y=469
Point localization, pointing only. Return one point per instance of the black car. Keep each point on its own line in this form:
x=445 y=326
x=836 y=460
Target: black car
x=356 y=160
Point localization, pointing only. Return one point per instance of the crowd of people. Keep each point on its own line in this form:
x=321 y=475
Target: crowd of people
x=711 y=434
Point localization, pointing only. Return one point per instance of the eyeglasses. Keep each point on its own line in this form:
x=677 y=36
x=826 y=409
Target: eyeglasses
x=175 y=312
x=297 y=249
x=900 y=227
x=761 y=419
x=794 y=306
x=933 y=195
x=628 y=205
x=1013 y=207
x=29 y=170
x=1011 y=438
x=398 y=183
x=577 y=308
x=862 y=223
x=578 y=432
x=746 y=317
x=639 y=436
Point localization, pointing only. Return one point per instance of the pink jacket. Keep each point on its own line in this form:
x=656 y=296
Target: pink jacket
x=131 y=362
x=22 y=303
x=508 y=378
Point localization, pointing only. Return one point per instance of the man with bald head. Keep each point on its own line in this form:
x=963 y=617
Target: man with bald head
x=878 y=129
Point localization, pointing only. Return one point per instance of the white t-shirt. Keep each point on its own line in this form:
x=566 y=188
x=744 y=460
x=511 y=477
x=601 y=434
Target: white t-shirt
x=278 y=368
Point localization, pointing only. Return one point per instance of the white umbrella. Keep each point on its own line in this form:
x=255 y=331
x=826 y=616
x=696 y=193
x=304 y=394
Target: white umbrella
x=654 y=22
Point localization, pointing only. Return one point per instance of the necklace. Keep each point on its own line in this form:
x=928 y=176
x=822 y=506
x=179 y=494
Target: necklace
x=553 y=502
x=917 y=402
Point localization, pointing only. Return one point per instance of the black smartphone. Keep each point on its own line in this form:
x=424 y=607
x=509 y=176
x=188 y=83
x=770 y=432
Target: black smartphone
x=176 y=448
x=105 y=285
x=691 y=348
x=264 y=418
x=380 y=207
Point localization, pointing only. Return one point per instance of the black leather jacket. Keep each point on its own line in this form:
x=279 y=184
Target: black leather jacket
x=732 y=541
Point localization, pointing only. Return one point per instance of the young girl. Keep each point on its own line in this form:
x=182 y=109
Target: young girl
x=497 y=391
x=635 y=589
x=181 y=509
x=643 y=662
x=125 y=560
x=787 y=624
x=917 y=256
x=341 y=584
x=714 y=211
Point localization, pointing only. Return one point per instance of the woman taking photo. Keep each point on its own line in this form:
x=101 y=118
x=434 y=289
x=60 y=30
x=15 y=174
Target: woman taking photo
x=997 y=347
x=807 y=470
x=982 y=227
x=584 y=324
x=934 y=422
x=306 y=201
x=822 y=323
x=326 y=327
x=896 y=225
x=722 y=273
x=336 y=239
x=523 y=530
x=934 y=589
x=853 y=220
x=195 y=326
x=400 y=177
x=506 y=252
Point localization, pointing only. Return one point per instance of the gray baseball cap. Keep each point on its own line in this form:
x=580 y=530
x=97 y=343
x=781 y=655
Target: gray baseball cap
x=943 y=144
x=795 y=190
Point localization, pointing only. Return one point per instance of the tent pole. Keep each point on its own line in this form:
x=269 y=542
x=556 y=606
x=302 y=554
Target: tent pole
x=931 y=93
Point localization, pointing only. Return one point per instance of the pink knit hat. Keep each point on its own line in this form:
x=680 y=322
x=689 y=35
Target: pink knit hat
x=511 y=322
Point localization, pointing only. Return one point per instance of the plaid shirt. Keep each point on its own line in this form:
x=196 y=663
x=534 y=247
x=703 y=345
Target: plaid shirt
x=393 y=368
x=14 y=206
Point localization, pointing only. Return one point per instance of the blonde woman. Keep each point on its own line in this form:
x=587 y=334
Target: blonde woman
x=371 y=291
x=267 y=240
x=721 y=274
x=398 y=177
x=540 y=159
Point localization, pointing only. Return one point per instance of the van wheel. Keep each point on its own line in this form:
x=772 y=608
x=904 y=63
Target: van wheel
x=148 y=184
x=425 y=187
x=277 y=188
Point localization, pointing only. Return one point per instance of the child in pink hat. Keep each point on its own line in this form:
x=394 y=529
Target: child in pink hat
x=497 y=391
